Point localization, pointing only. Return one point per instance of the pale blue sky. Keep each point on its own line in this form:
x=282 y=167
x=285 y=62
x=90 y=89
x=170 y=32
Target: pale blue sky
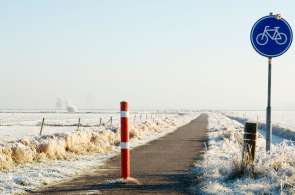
x=154 y=53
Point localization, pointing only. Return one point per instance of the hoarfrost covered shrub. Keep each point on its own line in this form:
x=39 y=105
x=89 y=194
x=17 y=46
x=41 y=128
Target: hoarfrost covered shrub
x=22 y=153
x=6 y=161
x=220 y=170
x=62 y=146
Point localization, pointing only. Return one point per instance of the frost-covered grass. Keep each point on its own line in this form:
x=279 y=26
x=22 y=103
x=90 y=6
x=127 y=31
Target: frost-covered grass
x=220 y=169
x=19 y=125
x=15 y=125
x=33 y=162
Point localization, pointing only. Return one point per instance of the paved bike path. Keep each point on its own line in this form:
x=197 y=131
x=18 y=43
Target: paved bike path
x=161 y=166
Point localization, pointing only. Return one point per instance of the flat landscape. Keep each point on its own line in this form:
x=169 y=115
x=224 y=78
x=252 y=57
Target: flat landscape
x=214 y=167
x=147 y=97
x=30 y=160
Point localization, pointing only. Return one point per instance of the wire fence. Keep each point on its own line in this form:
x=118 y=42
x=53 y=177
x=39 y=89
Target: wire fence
x=107 y=123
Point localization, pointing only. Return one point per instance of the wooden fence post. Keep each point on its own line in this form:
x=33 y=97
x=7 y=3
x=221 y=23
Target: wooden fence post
x=100 y=121
x=42 y=124
x=248 y=155
x=79 y=121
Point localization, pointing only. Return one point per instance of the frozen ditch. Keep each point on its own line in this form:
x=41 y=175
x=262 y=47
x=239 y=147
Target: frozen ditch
x=219 y=170
x=35 y=161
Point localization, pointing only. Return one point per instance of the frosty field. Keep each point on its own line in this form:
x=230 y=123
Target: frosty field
x=15 y=125
x=29 y=161
x=18 y=125
x=220 y=169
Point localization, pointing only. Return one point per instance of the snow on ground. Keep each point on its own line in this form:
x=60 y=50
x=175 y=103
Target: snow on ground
x=35 y=161
x=15 y=125
x=220 y=169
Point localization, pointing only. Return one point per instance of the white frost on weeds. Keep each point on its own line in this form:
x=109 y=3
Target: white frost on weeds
x=220 y=169
x=32 y=163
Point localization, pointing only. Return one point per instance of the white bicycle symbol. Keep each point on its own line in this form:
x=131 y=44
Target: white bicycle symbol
x=273 y=34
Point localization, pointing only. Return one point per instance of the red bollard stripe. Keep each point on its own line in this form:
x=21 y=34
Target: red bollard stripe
x=124 y=130
x=125 y=163
x=124 y=106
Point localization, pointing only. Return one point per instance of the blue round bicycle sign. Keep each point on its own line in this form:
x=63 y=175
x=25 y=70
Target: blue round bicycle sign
x=271 y=36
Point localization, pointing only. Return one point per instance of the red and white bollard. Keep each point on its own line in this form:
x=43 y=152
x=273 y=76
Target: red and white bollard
x=125 y=154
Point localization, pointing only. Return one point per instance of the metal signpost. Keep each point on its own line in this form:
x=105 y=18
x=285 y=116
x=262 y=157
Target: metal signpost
x=271 y=36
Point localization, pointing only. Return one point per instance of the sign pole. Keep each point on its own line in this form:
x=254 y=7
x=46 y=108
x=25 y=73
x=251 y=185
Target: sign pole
x=268 y=109
x=271 y=36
